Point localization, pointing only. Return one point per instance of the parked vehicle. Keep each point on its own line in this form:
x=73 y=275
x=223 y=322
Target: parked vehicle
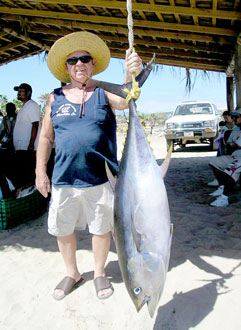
x=193 y=122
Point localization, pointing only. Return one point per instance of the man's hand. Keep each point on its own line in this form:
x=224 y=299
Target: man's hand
x=31 y=146
x=133 y=64
x=43 y=184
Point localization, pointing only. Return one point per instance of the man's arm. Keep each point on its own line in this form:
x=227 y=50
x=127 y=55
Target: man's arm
x=233 y=142
x=133 y=64
x=45 y=145
x=34 y=133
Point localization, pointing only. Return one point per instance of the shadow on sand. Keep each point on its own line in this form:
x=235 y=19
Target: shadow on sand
x=197 y=227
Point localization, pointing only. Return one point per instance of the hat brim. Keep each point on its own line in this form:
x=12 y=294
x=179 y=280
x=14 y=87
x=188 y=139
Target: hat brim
x=73 y=42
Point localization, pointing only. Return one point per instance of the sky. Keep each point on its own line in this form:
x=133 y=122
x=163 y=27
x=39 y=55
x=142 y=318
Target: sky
x=163 y=90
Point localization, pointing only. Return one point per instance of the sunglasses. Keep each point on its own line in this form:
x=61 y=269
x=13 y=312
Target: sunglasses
x=83 y=59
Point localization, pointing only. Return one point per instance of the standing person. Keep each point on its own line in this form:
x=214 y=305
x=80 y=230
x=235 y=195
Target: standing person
x=80 y=120
x=8 y=123
x=25 y=135
x=1 y=119
x=7 y=166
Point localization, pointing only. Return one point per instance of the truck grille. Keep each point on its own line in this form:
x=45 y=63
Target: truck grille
x=191 y=125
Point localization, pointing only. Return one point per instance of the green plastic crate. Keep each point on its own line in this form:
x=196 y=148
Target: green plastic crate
x=14 y=211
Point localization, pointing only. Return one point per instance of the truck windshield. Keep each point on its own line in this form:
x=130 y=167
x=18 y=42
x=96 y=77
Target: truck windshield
x=193 y=109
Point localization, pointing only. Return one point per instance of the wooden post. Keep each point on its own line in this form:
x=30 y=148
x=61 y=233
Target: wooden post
x=237 y=73
x=229 y=95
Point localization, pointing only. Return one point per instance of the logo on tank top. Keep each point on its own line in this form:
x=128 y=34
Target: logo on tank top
x=66 y=110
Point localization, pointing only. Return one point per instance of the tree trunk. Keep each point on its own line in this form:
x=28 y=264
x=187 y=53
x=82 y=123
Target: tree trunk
x=229 y=89
x=237 y=72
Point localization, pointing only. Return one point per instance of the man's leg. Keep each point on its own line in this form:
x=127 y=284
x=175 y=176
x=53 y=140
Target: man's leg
x=218 y=175
x=101 y=246
x=229 y=183
x=67 y=247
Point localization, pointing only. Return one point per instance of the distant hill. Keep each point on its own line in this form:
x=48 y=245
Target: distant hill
x=149 y=121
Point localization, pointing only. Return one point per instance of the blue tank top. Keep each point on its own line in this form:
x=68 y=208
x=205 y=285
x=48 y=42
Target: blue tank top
x=82 y=145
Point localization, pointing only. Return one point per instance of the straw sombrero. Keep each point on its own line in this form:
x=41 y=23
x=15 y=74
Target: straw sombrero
x=73 y=42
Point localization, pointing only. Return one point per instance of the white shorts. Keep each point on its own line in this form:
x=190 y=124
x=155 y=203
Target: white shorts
x=74 y=208
x=229 y=165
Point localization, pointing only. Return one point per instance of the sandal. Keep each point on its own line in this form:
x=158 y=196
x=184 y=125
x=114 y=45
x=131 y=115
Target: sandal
x=67 y=285
x=102 y=283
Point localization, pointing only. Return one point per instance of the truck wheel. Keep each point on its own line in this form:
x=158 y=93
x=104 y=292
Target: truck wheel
x=169 y=144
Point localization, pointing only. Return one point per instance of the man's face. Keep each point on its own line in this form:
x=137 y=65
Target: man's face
x=228 y=119
x=22 y=94
x=80 y=70
x=238 y=122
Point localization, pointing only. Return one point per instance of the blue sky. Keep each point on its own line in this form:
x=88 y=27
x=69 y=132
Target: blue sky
x=162 y=91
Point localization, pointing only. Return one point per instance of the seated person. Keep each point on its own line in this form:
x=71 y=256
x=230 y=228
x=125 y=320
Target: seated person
x=219 y=140
x=230 y=122
x=227 y=168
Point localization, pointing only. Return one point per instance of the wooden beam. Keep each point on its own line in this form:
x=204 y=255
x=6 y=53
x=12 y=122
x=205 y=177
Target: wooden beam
x=27 y=39
x=174 y=53
x=175 y=10
x=121 y=29
x=3 y=34
x=11 y=46
x=178 y=63
x=141 y=42
x=9 y=59
x=118 y=21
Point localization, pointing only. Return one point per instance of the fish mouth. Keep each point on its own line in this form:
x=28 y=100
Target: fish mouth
x=143 y=302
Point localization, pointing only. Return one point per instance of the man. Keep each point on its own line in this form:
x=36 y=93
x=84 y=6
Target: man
x=227 y=168
x=8 y=123
x=80 y=120
x=226 y=130
x=25 y=135
x=230 y=122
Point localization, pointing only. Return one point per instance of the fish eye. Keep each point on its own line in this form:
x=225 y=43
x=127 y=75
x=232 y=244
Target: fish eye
x=137 y=291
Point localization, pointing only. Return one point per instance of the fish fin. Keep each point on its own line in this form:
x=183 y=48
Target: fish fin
x=110 y=177
x=137 y=238
x=165 y=165
x=112 y=88
x=136 y=234
x=119 y=89
x=141 y=78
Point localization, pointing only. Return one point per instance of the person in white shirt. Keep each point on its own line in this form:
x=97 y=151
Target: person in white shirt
x=227 y=168
x=25 y=135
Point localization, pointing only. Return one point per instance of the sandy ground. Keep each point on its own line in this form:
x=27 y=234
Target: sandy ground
x=202 y=289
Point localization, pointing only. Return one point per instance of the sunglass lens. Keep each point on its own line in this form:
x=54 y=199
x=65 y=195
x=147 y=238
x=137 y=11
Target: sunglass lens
x=72 y=60
x=83 y=59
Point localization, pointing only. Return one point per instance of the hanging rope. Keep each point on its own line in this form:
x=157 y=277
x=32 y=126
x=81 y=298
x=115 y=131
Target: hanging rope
x=135 y=91
x=130 y=24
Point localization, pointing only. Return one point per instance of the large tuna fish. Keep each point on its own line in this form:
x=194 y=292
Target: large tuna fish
x=142 y=227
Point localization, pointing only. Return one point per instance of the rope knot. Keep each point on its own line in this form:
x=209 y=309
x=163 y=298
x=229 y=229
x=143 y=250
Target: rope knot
x=135 y=91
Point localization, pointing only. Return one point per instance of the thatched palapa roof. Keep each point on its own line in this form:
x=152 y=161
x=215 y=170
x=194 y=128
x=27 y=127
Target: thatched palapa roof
x=198 y=34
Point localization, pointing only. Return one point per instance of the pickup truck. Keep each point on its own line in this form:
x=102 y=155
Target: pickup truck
x=193 y=122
